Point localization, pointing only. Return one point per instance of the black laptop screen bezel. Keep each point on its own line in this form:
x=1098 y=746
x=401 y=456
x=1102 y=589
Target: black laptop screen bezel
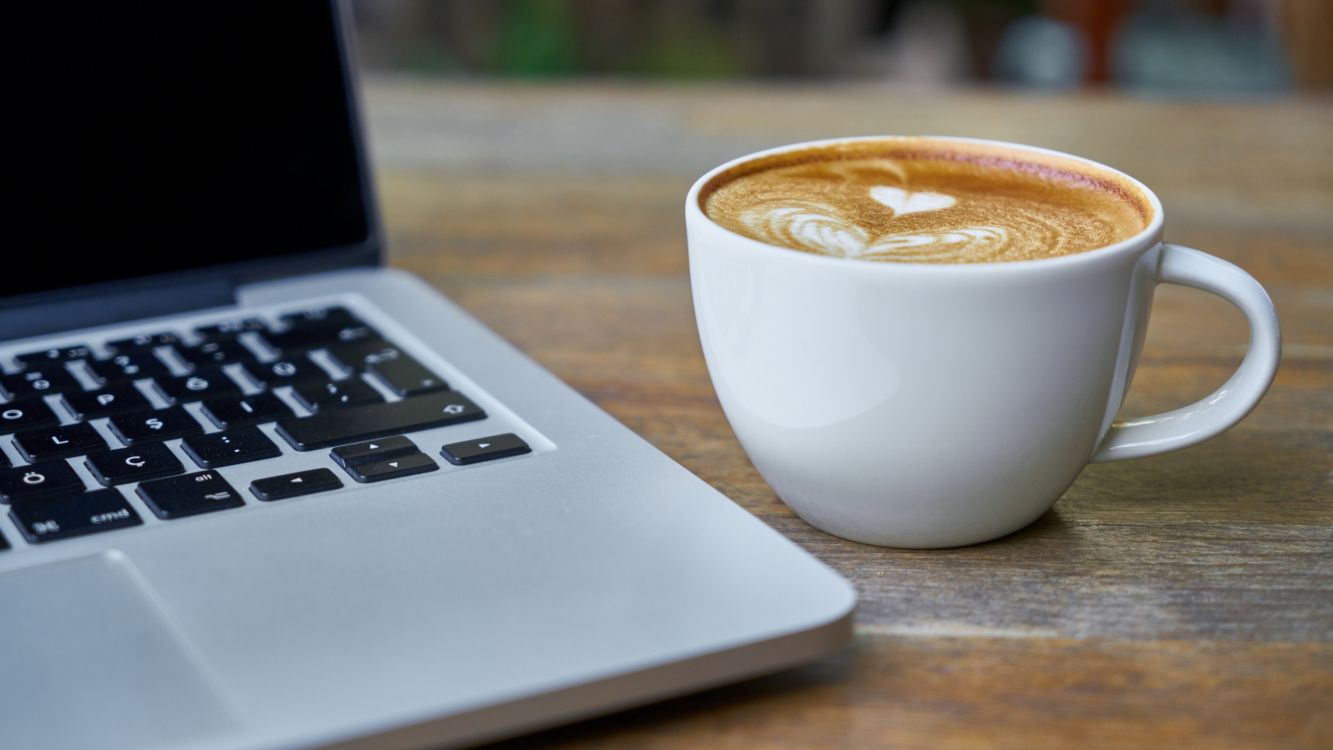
x=366 y=252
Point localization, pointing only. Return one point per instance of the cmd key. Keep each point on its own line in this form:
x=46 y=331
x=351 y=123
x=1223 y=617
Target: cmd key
x=47 y=519
x=337 y=426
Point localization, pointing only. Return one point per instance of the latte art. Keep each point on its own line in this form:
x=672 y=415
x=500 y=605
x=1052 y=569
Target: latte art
x=912 y=200
x=818 y=228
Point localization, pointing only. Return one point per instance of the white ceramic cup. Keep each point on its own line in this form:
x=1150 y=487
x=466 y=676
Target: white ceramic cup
x=918 y=405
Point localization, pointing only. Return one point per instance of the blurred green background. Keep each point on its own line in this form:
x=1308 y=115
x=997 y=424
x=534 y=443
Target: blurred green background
x=1209 y=47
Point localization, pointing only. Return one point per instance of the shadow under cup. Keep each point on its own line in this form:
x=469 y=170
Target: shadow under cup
x=943 y=403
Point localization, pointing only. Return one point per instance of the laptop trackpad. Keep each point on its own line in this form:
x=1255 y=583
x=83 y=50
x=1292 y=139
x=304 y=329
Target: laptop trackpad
x=89 y=660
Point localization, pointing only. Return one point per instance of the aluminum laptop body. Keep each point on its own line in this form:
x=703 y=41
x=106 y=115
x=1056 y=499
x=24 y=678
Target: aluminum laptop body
x=470 y=601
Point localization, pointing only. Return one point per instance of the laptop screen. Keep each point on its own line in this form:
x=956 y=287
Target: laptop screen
x=157 y=136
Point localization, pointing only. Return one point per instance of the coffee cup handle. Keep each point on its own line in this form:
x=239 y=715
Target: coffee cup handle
x=1172 y=430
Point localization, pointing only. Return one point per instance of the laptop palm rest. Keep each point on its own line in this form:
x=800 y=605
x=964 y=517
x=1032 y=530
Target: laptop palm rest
x=137 y=684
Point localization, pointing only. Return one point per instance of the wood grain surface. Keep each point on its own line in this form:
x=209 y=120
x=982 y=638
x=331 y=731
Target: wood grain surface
x=1184 y=600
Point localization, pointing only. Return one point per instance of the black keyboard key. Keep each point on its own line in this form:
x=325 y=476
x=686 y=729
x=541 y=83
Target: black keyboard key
x=63 y=516
x=235 y=446
x=122 y=465
x=57 y=442
x=284 y=372
x=335 y=394
x=128 y=366
x=189 y=495
x=336 y=426
x=393 y=468
x=54 y=356
x=335 y=315
x=50 y=379
x=33 y=480
x=216 y=353
x=26 y=414
x=209 y=383
x=295 y=485
x=373 y=450
x=228 y=329
x=316 y=337
x=406 y=376
x=234 y=411
x=143 y=341
x=490 y=448
x=116 y=399
x=153 y=426
x=353 y=357
x=4 y=544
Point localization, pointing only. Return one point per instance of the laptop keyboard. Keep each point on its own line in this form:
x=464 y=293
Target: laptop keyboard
x=323 y=379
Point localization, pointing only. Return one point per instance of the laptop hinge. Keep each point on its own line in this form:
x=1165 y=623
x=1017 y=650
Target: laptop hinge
x=67 y=314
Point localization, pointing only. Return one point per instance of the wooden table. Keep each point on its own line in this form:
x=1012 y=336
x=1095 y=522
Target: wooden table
x=1184 y=600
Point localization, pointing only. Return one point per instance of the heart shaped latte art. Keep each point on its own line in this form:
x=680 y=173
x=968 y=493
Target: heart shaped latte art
x=908 y=202
x=822 y=228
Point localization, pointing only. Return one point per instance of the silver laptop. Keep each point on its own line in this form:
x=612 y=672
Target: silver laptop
x=259 y=491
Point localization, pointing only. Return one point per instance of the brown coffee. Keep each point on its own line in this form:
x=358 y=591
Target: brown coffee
x=919 y=200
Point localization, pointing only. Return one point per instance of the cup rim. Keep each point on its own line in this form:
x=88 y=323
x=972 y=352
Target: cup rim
x=1144 y=236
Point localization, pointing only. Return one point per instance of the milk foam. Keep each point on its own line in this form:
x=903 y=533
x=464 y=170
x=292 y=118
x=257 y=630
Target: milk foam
x=922 y=205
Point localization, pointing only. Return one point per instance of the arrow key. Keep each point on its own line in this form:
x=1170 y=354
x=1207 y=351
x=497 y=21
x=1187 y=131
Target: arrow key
x=393 y=468
x=373 y=450
x=294 y=485
x=484 y=449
